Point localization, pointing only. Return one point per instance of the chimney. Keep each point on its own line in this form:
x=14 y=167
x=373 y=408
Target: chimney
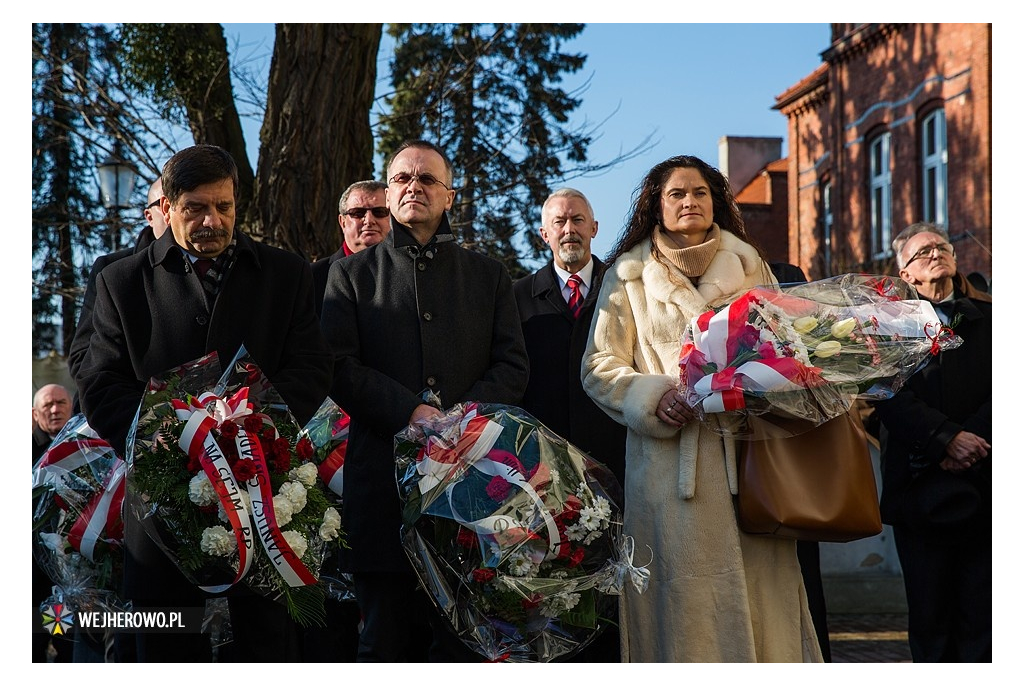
x=740 y=158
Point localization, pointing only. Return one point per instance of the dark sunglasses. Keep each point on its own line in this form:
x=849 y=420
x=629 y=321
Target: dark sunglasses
x=154 y=203
x=360 y=212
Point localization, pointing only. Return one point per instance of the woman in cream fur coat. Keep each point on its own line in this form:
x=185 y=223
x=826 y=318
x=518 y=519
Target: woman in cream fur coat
x=716 y=594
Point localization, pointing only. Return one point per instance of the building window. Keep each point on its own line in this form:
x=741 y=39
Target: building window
x=933 y=167
x=880 y=176
x=827 y=219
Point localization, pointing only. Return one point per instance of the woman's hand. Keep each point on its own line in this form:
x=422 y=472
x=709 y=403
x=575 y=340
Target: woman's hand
x=672 y=410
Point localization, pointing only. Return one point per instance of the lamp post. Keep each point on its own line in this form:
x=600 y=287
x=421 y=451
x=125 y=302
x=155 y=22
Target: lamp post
x=117 y=181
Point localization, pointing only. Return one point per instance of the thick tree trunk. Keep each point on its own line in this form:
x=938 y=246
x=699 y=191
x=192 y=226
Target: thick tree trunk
x=316 y=137
x=214 y=120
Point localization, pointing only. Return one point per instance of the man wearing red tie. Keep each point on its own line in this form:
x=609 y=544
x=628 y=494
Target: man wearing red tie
x=556 y=306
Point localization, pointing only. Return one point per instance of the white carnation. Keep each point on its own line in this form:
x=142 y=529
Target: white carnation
x=218 y=541
x=296 y=493
x=305 y=474
x=283 y=510
x=200 y=490
x=331 y=525
x=296 y=542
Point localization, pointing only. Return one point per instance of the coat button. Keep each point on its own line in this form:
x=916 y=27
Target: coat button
x=421 y=266
x=201 y=320
x=431 y=381
x=427 y=316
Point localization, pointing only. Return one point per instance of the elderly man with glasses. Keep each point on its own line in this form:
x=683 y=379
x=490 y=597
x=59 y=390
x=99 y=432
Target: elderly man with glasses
x=363 y=220
x=418 y=312
x=936 y=437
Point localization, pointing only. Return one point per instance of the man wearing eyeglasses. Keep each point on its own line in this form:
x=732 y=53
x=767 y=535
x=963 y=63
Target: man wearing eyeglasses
x=157 y=226
x=416 y=313
x=936 y=439
x=363 y=219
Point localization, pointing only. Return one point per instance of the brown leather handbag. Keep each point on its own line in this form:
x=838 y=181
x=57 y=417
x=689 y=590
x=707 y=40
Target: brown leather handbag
x=817 y=485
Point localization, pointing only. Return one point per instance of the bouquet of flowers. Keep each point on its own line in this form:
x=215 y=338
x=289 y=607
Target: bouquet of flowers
x=514 y=532
x=327 y=436
x=806 y=351
x=77 y=533
x=215 y=460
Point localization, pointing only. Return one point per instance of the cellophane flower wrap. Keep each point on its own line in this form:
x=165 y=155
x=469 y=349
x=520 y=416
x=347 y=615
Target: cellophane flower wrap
x=221 y=481
x=514 y=532
x=327 y=436
x=78 y=486
x=806 y=352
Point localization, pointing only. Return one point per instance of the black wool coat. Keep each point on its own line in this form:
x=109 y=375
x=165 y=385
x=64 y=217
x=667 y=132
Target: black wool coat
x=151 y=315
x=404 y=318
x=83 y=331
x=953 y=392
x=555 y=342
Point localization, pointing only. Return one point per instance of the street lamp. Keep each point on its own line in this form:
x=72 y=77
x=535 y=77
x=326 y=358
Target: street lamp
x=117 y=181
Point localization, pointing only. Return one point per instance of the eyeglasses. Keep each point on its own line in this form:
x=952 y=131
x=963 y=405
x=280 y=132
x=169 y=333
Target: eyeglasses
x=154 y=203
x=360 y=212
x=425 y=180
x=926 y=251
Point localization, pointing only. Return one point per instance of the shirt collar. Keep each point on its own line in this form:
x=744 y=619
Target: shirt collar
x=586 y=274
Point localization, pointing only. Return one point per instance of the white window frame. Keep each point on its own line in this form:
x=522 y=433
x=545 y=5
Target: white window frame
x=880 y=187
x=933 y=168
x=827 y=221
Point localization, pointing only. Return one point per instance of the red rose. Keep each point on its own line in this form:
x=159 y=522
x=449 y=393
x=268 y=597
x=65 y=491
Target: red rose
x=466 y=538
x=576 y=558
x=483 y=575
x=531 y=602
x=498 y=489
x=229 y=429
x=304 y=449
x=253 y=424
x=269 y=433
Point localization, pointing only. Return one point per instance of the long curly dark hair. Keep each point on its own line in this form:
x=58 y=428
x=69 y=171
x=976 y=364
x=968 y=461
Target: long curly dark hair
x=646 y=212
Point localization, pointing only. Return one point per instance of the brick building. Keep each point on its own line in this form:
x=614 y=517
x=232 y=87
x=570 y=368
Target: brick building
x=895 y=126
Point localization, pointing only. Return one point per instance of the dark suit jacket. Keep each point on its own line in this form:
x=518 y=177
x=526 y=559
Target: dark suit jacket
x=555 y=342
x=953 y=392
x=151 y=315
x=320 y=269
x=83 y=331
x=404 y=318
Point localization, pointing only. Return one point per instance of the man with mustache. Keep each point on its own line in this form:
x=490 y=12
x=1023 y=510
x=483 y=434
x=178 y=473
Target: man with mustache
x=201 y=287
x=555 y=314
x=363 y=220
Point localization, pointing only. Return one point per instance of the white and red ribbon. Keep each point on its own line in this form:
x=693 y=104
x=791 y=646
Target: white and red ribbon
x=441 y=464
x=100 y=519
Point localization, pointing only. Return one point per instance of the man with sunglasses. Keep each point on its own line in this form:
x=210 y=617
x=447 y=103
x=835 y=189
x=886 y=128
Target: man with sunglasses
x=363 y=219
x=936 y=441
x=415 y=313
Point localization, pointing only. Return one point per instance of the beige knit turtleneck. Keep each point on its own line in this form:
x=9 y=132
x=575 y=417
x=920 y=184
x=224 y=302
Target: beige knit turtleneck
x=692 y=261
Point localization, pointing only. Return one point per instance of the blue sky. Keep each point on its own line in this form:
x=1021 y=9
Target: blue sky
x=685 y=85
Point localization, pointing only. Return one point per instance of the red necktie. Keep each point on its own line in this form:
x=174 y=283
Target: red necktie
x=575 y=296
x=202 y=266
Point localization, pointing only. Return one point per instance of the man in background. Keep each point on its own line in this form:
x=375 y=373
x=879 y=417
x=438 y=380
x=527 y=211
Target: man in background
x=363 y=219
x=556 y=307
x=156 y=227
x=936 y=441
x=51 y=409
